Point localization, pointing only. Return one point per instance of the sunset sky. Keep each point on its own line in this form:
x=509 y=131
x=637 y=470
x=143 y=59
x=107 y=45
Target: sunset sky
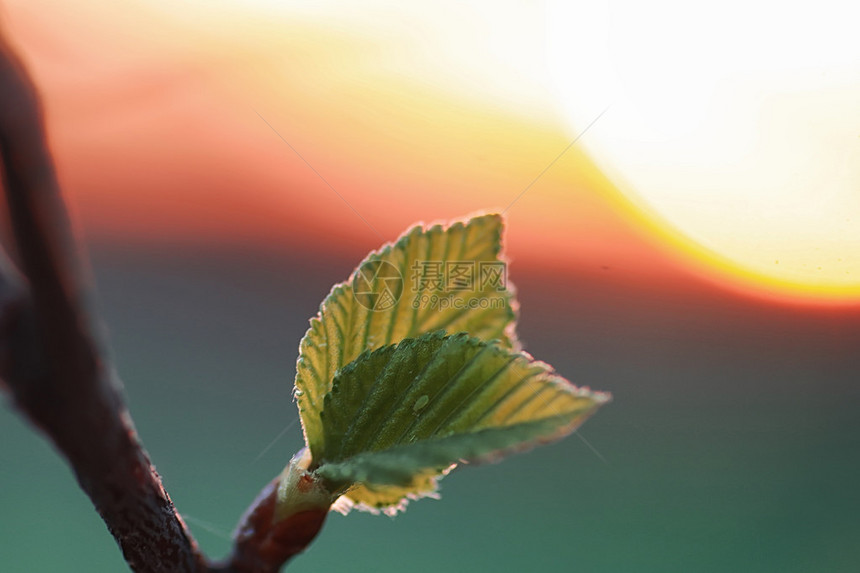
x=333 y=122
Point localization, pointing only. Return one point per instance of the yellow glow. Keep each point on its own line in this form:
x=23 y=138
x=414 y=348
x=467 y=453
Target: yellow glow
x=732 y=137
x=738 y=123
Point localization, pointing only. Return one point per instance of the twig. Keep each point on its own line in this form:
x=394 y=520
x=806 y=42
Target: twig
x=51 y=363
x=58 y=377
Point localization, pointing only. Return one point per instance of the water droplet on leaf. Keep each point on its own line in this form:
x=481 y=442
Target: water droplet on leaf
x=421 y=402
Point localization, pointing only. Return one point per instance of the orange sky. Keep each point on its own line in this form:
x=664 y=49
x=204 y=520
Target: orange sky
x=157 y=131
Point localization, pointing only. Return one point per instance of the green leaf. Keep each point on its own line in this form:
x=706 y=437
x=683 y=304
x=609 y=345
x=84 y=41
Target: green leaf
x=388 y=499
x=406 y=411
x=380 y=305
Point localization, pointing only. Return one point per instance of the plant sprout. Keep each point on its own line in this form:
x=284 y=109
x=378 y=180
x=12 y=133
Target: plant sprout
x=397 y=384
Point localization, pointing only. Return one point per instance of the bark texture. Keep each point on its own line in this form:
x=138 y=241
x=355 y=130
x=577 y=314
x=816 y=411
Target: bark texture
x=54 y=370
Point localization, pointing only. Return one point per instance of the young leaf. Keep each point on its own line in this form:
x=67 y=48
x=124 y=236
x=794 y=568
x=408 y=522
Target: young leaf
x=404 y=412
x=388 y=499
x=386 y=301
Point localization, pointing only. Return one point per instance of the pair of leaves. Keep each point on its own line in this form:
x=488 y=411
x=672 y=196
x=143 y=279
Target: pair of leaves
x=393 y=395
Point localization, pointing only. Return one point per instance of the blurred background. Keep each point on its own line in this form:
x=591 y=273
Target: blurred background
x=681 y=193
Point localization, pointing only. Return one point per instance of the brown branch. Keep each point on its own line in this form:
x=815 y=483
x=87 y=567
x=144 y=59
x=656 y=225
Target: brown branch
x=51 y=362
x=57 y=376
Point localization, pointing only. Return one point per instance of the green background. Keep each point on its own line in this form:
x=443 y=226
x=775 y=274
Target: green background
x=733 y=442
